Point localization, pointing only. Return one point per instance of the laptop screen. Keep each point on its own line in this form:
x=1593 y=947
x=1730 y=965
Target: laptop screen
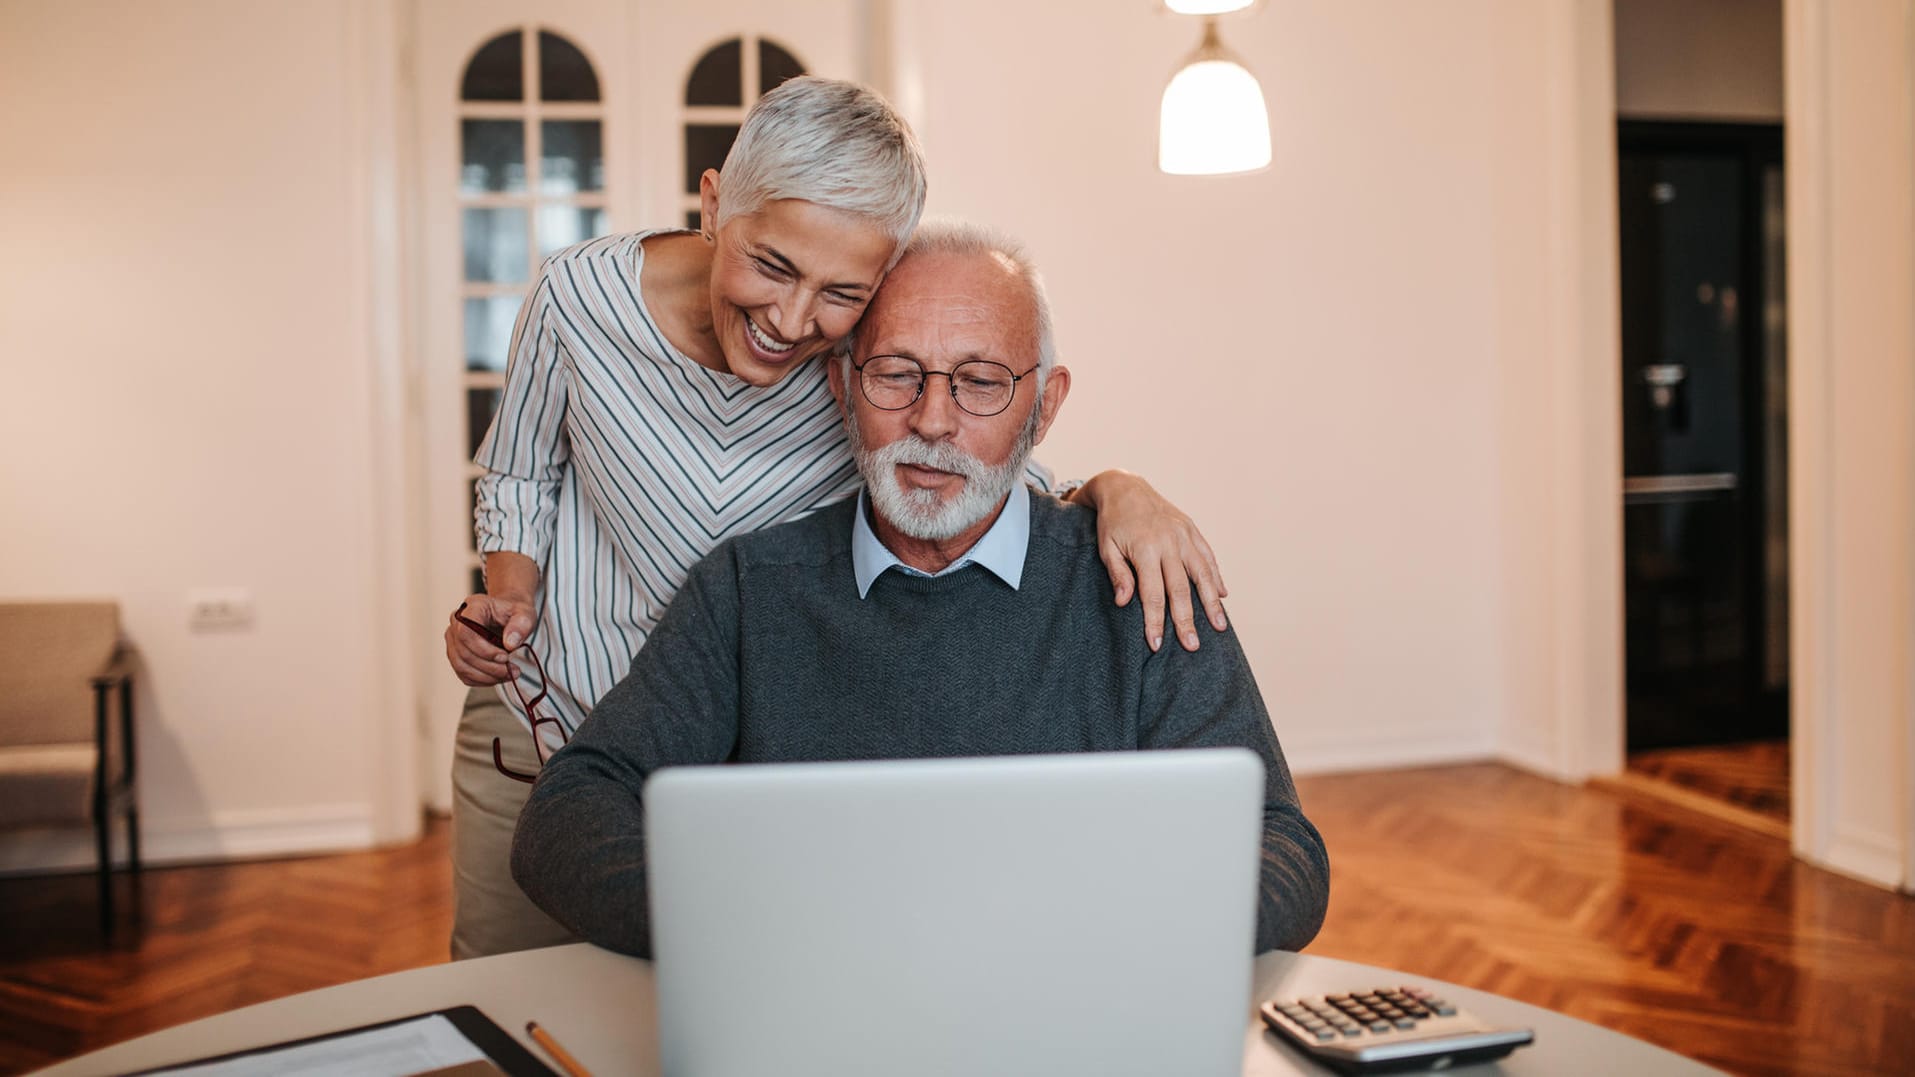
x=1030 y=914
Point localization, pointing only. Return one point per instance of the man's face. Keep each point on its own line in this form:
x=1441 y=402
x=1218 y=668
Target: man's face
x=933 y=469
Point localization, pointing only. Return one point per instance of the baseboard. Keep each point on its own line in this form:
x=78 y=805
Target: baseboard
x=1534 y=759
x=1871 y=857
x=1387 y=749
x=237 y=835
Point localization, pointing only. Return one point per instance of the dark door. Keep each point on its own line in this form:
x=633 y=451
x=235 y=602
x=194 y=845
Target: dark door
x=1704 y=509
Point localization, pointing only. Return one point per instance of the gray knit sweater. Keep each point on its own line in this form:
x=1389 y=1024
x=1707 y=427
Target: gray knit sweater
x=767 y=654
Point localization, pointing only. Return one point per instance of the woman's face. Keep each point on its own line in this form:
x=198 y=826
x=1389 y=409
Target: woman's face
x=788 y=282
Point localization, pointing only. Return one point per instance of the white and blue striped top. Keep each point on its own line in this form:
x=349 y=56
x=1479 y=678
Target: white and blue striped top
x=616 y=462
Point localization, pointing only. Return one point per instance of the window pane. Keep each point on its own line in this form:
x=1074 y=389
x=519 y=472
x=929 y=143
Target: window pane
x=480 y=405
x=717 y=79
x=564 y=72
x=705 y=147
x=562 y=226
x=488 y=331
x=570 y=157
x=494 y=156
x=775 y=65
x=497 y=71
x=495 y=246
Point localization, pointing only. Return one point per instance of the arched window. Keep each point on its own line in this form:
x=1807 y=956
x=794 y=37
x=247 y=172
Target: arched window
x=531 y=182
x=725 y=82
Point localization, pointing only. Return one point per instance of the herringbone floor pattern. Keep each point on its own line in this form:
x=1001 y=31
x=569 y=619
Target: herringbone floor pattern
x=1694 y=934
x=216 y=938
x=1621 y=910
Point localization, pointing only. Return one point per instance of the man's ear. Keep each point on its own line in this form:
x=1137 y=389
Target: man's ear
x=708 y=203
x=1057 y=386
x=834 y=368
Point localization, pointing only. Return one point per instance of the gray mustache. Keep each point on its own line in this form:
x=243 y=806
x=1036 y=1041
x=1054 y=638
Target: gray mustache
x=941 y=455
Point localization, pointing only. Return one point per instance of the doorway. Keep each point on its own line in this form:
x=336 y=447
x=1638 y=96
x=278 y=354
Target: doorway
x=540 y=123
x=1705 y=503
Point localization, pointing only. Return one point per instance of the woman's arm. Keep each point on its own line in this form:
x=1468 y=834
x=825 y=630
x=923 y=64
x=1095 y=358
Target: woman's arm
x=1151 y=548
x=524 y=454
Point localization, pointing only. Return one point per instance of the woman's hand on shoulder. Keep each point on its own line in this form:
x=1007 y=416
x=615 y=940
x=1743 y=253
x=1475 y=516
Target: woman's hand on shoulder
x=1152 y=549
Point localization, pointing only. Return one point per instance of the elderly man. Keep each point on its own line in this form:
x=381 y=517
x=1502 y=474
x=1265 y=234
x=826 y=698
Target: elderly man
x=947 y=611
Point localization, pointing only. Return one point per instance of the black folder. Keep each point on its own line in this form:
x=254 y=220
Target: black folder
x=504 y=1052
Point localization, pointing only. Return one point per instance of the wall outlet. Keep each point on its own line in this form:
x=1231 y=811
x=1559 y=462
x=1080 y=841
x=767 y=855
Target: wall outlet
x=224 y=609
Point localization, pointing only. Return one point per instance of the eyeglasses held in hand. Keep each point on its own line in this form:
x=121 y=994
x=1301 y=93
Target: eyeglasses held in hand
x=980 y=386
x=496 y=637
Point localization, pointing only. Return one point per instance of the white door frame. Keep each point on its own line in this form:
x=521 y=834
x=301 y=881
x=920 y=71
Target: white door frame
x=1851 y=681
x=1583 y=353
x=379 y=96
x=1812 y=696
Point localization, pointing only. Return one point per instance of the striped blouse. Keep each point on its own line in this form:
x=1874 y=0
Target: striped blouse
x=616 y=462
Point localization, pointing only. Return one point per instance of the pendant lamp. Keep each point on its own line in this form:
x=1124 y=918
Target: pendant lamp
x=1213 y=120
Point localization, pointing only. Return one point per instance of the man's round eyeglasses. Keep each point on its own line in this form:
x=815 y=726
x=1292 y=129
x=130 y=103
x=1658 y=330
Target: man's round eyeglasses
x=980 y=386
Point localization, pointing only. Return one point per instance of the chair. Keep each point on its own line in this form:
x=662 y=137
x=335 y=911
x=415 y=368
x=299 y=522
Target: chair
x=62 y=759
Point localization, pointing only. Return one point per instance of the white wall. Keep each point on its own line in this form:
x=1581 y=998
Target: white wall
x=188 y=401
x=1316 y=361
x=1699 y=60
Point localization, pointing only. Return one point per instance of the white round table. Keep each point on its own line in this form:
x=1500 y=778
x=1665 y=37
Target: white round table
x=601 y=1006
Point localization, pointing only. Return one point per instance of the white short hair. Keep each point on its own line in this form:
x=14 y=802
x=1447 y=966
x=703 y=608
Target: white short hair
x=831 y=143
x=952 y=236
x=946 y=235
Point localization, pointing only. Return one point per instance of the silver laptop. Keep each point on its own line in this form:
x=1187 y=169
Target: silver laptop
x=1054 y=915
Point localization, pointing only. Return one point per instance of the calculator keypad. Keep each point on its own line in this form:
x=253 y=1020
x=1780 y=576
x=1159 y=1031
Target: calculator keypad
x=1353 y=1015
x=1388 y=1029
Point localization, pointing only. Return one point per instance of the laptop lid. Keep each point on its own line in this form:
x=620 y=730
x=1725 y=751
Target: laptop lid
x=1054 y=915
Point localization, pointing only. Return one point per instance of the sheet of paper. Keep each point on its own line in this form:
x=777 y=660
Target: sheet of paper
x=412 y=1047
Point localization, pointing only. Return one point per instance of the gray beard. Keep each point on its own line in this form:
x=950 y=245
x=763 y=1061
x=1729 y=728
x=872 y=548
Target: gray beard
x=924 y=514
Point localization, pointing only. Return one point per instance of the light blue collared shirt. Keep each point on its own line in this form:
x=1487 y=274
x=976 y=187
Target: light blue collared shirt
x=1001 y=550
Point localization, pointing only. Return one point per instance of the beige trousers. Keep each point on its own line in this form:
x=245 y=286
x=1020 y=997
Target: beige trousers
x=490 y=914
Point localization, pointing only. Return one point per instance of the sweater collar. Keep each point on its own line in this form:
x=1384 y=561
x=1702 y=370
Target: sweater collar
x=1001 y=549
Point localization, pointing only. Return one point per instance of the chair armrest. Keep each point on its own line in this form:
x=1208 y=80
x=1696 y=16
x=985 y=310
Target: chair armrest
x=119 y=669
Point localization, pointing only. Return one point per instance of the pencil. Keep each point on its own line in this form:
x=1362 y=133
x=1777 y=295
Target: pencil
x=565 y=1060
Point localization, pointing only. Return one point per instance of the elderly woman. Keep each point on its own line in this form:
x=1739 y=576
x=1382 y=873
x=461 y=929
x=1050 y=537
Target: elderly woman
x=661 y=397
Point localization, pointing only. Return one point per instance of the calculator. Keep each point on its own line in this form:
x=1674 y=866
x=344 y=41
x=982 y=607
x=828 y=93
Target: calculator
x=1390 y=1029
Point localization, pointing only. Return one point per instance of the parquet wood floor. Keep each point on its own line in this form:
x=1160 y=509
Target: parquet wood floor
x=1694 y=934
x=1702 y=937
x=216 y=938
x=1753 y=776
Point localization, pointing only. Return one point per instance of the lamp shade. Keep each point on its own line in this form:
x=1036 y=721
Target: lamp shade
x=1207 y=7
x=1213 y=120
